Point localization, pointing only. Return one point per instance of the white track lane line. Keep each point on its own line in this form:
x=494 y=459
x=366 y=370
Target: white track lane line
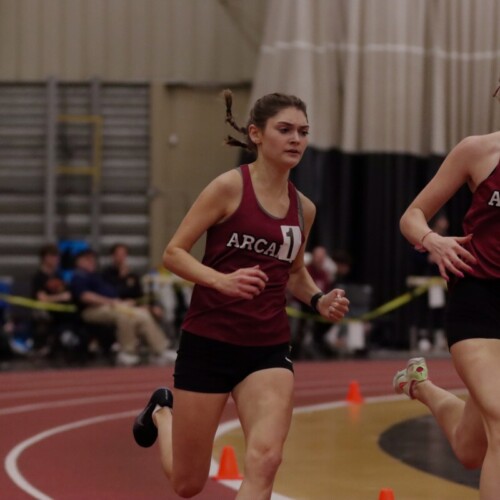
x=11 y=465
x=72 y=390
x=11 y=460
x=335 y=391
x=70 y=402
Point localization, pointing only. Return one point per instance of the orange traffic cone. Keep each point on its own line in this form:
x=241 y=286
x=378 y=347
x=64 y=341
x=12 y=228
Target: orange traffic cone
x=386 y=494
x=354 y=394
x=228 y=466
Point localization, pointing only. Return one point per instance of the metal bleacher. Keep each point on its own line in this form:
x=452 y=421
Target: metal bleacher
x=74 y=164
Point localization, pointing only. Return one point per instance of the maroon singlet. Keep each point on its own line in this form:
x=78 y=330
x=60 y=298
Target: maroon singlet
x=483 y=221
x=249 y=237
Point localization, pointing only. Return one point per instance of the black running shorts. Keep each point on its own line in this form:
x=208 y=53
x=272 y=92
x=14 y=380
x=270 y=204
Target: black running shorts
x=473 y=310
x=211 y=366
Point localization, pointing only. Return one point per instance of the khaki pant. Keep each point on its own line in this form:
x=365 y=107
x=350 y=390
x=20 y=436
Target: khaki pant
x=131 y=323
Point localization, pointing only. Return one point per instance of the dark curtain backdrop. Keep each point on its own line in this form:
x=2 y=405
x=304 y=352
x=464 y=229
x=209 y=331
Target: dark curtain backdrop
x=360 y=199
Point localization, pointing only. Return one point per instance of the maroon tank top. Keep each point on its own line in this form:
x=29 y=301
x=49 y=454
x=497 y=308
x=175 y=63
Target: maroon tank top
x=249 y=237
x=483 y=221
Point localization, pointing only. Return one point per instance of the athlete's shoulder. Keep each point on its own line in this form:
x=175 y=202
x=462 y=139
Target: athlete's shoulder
x=228 y=183
x=479 y=145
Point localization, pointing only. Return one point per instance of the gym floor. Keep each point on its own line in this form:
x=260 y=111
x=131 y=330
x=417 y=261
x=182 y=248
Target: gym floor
x=67 y=434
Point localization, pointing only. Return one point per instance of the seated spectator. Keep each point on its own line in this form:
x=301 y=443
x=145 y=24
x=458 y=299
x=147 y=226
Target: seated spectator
x=343 y=265
x=16 y=336
x=5 y=348
x=119 y=275
x=322 y=271
x=127 y=283
x=48 y=286
x=351 y=338
x=99 y=303
x=5 y=325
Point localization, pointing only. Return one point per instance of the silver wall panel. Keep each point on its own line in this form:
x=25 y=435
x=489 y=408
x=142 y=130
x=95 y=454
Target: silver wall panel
x=124 y=199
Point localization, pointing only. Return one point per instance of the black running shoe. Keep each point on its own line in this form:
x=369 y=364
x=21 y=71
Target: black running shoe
x=145 y=431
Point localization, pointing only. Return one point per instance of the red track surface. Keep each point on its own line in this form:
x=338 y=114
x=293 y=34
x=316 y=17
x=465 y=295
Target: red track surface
x=98 y=459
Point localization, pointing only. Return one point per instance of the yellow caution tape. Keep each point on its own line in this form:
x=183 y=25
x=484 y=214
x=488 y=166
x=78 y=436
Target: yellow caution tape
x=395 y=303
x=36 y=304
x=292 y=312
x=401 y=300
x=48 y=306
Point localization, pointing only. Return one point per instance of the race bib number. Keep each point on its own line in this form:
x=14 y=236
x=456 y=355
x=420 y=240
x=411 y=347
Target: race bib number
x=292 y=239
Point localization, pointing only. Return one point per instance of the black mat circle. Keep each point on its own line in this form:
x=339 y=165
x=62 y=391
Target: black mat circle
x=420 y=443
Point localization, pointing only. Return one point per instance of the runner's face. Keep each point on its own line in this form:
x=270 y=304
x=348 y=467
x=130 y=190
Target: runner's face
x=285 y=137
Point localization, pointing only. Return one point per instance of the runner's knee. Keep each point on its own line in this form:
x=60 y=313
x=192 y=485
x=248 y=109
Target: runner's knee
x=263 y=460
x=188 y=486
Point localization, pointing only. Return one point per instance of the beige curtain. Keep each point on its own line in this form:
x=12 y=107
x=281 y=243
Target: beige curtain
x=411 y=76
x=194 y=42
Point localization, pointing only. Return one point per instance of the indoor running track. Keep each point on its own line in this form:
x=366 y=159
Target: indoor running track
x=66 y=434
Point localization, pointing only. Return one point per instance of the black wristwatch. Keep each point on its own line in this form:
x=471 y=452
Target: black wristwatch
x=314 y=301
